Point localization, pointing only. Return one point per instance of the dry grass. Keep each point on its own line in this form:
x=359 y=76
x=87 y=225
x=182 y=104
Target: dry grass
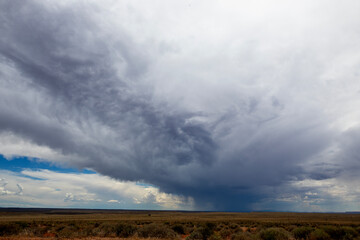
x=175 y=216
x=39 y=224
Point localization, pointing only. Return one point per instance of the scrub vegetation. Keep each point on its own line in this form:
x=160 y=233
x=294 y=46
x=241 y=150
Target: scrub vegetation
x=112 y=224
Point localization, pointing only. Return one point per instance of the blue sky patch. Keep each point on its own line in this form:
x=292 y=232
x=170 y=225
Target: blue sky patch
x=19 y=163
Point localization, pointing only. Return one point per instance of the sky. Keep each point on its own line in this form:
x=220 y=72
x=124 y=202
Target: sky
x=187 y=105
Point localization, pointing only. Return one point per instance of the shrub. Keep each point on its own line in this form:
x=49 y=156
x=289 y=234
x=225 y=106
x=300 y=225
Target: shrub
x=340 y=233
x=195 y=235
x=207 y=230
x=7 y=229
x=67 y=232
x=349 y=233
x=234 y=226
x=224 y=233
x=273 y=234
x=319 y=234
x=157 y=231
x=220 y=226
x=106 y=229
x=85 y=231
x=215 y=237
x=22 y=225
x=333 y=231
x=178 y=228
x=124 y=230
x=302 y=232
x=37 y=230
x=210 y=225
x=203 y=232
x=242 y=236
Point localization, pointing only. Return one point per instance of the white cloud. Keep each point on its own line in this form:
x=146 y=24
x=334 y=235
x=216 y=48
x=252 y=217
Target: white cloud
x=54 y=189
x=12 y=145
x=342 y=190
x=21 y=189
x=334 y=194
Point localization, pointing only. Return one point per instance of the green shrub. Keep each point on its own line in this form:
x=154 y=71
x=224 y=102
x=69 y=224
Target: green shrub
x=124 y=230
x=215 y=237
x=207 y=230
x=106 y=229
x=85 y=231
x=224 y=233
x=242 y=236
x=210 y=225
x=38 y=230
x=302 y=232
x=156 y=231
x=333 y=231
x=220 y=226
x=340 y=233
x=234 y=226
x=319 y=234
x=273 y=234
x=349 y=233
x=22 y=225
x=178 y=228
x=68 y=232
x=203 y=232
x=195 y=235
x=7 y=229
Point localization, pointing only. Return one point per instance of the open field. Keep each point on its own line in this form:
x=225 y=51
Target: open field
x=105 y=224
x=9 y=215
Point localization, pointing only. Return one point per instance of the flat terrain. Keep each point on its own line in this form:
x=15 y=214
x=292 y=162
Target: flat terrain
x=109 y=224
x=10 y=215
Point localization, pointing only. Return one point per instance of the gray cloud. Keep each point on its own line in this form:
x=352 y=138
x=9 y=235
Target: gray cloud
x=222 y=117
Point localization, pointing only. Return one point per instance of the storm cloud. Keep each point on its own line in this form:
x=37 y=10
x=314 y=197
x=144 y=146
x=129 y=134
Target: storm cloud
x=233 y=104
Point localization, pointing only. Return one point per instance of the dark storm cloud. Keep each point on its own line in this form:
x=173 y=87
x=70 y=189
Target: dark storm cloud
x=86 y=87
x=348 y=158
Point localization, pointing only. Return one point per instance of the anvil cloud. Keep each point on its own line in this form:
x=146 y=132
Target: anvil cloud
x=239 y=105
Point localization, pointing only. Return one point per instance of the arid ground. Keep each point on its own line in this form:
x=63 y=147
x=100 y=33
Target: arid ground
x=120 y=224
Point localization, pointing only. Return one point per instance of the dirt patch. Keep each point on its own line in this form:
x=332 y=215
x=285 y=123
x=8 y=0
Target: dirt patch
x=184 y=236
x=244 y=229
x=49 y=235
